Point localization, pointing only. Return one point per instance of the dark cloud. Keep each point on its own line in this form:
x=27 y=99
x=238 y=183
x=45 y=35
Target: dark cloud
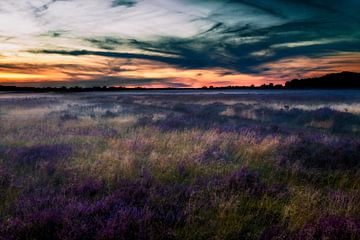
x=241 y=36
x=128 y=3
x=39 y=68
x=234 y=46
x=170 y=60
x=107 y=43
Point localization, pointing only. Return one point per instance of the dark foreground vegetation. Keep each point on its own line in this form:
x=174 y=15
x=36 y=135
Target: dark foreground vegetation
x=156 y=166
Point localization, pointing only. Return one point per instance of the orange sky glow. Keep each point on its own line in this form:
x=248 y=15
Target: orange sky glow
x=46 y=69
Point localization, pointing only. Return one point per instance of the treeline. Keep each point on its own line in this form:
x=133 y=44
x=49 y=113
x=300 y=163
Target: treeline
x=113 y=89
x=343 y=80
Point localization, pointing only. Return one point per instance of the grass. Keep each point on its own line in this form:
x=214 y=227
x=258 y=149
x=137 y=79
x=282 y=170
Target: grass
x=223 y=166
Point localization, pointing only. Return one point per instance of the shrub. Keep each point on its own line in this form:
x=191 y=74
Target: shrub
x=125 y=223
x=332 y=227
x=5 y=179
x=139 y=209
x=316 y=151
x=243 y=180
x=276 y=233
x=34 y=154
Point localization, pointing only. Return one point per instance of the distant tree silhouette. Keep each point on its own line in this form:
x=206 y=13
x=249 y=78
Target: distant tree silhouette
x=341 y=80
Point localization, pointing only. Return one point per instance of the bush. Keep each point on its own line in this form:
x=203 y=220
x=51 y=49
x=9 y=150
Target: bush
x=319 y=152
x=243 y=180
x=332 y=228
x=34 y=154
x=135 y=210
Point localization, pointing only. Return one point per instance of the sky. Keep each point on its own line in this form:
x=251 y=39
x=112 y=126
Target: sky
x=175 y=43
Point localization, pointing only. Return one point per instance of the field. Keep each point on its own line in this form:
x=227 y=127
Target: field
x=180 y=165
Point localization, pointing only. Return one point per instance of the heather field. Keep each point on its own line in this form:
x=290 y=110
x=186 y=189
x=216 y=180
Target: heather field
x=180 y=165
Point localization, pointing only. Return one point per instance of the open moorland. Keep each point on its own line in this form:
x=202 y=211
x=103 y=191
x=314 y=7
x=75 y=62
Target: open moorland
x=180 y=165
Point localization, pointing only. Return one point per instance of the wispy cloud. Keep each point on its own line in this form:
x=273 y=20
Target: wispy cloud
x=246 y=38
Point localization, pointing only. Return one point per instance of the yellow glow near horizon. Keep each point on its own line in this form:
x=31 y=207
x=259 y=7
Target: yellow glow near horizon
x=20 y=76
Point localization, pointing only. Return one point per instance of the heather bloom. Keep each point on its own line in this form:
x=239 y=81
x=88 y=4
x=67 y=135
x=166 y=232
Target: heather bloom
x=340 y=197
x=68 y=116
x=125 y=223
x=32 y=155
x=5 y=179
x=299 y=117
x=33 y=219
x=181 y=170
x=316 y=151
x=87 y=188
x=145 y=120
x=243 y=180
x=213 y=153
x=186 y=169
x=332 y=228
x=100 y=131
x=276 y=233
x=134 y=210
x=109 y=114
x=176 y=121
x=279 y=191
